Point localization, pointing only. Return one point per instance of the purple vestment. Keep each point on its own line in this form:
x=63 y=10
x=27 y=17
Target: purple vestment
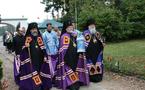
x=65 y=76
x=97 y=67
x=23 y=72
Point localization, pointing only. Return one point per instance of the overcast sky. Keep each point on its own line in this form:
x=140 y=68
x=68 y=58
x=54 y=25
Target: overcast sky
x=31 y=9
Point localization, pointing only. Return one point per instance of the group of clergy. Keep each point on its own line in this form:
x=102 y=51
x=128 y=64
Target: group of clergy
x=44 y=60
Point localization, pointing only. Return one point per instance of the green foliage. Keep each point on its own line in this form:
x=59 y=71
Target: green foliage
x=117 y=21
x=1 y=70
x=108 y=19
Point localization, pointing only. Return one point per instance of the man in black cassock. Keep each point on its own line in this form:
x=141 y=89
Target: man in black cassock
x=32 y=66
x=94 y=51
x=18 y=40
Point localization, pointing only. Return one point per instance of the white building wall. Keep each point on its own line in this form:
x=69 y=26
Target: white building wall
x=15 y=22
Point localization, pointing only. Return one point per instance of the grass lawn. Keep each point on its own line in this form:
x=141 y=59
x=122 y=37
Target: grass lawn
x=126 y=57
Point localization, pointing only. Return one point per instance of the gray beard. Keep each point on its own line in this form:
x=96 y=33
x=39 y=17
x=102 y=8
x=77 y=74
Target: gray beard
x=92 y=31
x=35 y=34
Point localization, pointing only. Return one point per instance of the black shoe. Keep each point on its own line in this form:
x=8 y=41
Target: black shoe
x=96 y=78
x=75 y=86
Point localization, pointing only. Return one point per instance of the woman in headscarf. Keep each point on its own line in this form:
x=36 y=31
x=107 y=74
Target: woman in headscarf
x=71 y=69
x=94 y=51
x=32 y=67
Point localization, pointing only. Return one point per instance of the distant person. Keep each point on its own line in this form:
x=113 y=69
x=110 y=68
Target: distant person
x=23 y=30
x=4 y=39
x=18 y=41
x=58 y=32
x=51 y=43
x=9 y=40
x=75 y=28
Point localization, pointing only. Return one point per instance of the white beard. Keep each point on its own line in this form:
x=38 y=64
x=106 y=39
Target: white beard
x=92 y=30
x=34 y=34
